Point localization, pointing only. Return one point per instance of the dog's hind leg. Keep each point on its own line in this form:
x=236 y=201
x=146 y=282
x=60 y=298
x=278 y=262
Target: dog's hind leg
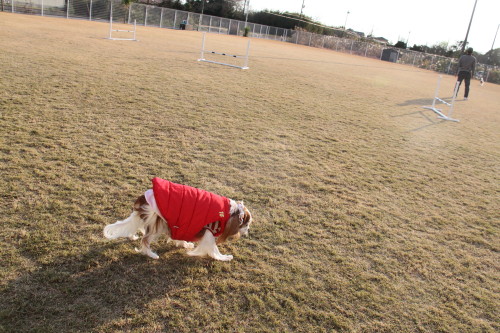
x=208 y=247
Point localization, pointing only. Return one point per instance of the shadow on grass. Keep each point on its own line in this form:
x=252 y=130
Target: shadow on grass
x=83 y=292
x=423 y=114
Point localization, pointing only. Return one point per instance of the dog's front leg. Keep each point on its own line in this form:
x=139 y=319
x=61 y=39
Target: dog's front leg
x=208 y=247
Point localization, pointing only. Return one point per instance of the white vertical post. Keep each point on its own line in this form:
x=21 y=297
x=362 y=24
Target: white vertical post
x=220 y=24
x=161 y=16
x=352 y=44
x=146 y=17
x=366 y=51
x=135 y=28
x=310 y=38
x=12 y=5
x=238 y=31
x=245 y=65
x=175 y=18
x=297 y=37
x=90 y=11
x=67 y=10
x=203 y=46
x=110 y=18
x=229 y=29
x=455 y=92
x=42 y=7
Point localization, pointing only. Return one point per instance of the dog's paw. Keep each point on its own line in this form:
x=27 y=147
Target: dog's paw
x=148 y=252
x=223 y=257
x=153 y=255
x=188 y=245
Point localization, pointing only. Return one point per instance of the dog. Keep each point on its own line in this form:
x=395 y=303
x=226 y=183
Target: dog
x=186 y=215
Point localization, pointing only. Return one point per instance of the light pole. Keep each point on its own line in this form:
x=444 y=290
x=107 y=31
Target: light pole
x=247 y=5
x=493 y=44
x=467 y=34
x=302 y=8
x=408 y=39
x=201 y=16
x=345 y=24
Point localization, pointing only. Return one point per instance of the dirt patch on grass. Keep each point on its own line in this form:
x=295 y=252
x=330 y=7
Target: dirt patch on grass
x=370 y=214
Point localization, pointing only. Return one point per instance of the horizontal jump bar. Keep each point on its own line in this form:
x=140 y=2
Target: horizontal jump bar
x=124 y=30
x=225 y=54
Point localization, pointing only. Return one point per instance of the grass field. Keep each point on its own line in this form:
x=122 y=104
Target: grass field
x=370 y=214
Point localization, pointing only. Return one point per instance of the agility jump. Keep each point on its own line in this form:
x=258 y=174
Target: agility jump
x=118 y=30
x=441 y=115
x=202 y=58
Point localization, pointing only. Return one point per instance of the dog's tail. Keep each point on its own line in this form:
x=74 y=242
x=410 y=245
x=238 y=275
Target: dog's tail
x=126 y=228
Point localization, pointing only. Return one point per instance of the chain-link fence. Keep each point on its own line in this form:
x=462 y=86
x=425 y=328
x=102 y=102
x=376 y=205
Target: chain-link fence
x=153 y=16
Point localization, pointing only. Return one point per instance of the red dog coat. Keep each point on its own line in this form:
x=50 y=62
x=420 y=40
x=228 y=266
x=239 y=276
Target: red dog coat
x=188 y=210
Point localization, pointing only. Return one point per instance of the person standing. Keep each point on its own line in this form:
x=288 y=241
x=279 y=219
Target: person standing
x=466 y=68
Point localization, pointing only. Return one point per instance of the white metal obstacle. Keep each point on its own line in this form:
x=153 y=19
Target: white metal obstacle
x=441 y=115
x=118 y=30
x=202 y=58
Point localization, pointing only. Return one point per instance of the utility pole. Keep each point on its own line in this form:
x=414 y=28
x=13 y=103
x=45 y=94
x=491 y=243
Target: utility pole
x=467 y=35
x=302 y=8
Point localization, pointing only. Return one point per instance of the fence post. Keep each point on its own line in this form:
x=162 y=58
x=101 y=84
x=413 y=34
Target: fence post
x=352 y=44
x=12 y=5
x=220 y=24
x=146 y=17
x=175 y=18
x=42 y=7
x=161 y=16
x=90 y=11
x=210 y=24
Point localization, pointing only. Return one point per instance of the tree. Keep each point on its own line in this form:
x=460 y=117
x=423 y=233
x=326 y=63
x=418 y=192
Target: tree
x=400 y=45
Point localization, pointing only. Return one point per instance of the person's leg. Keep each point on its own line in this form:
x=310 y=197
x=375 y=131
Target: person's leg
x=467 y=84
x=459 y=80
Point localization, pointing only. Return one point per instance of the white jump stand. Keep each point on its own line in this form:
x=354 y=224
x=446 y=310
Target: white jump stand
x=439 y=112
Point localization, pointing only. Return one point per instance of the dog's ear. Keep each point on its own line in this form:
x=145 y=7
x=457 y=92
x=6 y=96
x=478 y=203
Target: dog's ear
x=231 y=230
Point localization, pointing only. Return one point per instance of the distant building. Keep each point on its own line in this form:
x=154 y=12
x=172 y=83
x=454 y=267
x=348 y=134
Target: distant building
x=380 y=40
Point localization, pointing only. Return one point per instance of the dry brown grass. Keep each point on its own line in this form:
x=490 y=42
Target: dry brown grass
x=370 y=214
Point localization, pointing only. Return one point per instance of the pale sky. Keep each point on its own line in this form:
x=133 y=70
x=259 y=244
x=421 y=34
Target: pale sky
x=421 y=22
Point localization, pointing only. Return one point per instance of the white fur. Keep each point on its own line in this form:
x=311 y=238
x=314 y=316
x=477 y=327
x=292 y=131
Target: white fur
x=126 y=228
x=208 y=247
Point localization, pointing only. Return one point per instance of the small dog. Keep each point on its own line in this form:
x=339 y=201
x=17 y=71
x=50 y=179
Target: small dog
x=186 y=215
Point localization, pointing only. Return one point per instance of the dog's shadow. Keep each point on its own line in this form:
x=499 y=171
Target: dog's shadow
x=87 y=291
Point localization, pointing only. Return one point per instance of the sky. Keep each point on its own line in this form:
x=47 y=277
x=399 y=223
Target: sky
x=421 y=22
